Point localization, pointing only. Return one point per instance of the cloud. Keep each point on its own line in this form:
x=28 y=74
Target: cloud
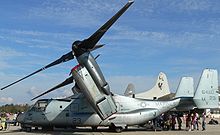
x=38 y=39
x=6 y=100
x=8 y=52
x=153 y=8
x=33 y=91
x=192 y=5
x=64 y=93
x=181 y=39
x=73 y=12
x=3 y=65
x=118 y=84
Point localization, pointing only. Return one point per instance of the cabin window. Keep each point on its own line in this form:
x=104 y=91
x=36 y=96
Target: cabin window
x=61 y=106
x=40 y=105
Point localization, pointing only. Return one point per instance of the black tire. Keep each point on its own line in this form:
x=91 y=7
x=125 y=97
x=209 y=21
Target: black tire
x=118 y=129
x=28 y=129
x=73 y=127
x=94 y=128
x=47 y=128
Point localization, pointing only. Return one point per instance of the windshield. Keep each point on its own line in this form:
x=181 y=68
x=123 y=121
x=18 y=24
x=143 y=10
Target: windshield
x=40 y=105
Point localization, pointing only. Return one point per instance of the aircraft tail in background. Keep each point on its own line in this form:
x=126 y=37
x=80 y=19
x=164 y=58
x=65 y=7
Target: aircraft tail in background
x=206 y=95
x=130 y=90
x=160 y=89
x=185 y=92
x=185 y=88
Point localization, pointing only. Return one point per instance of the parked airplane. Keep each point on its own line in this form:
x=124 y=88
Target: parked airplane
x=186 y=91
x=77 y=111
x=99 y=94
x=95 y=105
x=160 y=89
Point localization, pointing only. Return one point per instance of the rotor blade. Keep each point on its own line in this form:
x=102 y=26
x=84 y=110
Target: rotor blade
x=64 y=58
x=96 y=47
x=64 y=83
x=93 y=39
x=97 y=56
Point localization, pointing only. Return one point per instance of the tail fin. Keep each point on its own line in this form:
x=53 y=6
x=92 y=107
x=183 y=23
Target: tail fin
x=185 y=88
x=185 y=92
x=130 y=90
x=160 y=89
x=206 y=95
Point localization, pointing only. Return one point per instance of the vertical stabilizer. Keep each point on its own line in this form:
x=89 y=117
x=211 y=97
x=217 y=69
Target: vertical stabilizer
x=206 y=95
x=160 y=89
x=185 y=88
x=130 y=90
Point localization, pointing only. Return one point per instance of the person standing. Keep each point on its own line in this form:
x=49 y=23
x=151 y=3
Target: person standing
x=173 y=121
x=188 y=122
x=203 y=121
x=197 y=121
x=3 y=122
x=194 y=121
x=179 y=122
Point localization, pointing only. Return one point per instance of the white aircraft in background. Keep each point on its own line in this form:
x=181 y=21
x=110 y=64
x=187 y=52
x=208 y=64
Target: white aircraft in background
x=160 y=89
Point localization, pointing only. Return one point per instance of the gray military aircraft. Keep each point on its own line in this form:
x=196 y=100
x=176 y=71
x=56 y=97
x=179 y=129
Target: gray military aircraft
x=95 y=105
x=77 y=111
x=185 y=89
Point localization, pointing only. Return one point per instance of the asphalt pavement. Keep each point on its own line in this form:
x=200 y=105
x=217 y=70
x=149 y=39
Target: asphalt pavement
x=16 y=130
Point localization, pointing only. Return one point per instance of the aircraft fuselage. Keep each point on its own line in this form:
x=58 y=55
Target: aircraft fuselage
x=76 y=111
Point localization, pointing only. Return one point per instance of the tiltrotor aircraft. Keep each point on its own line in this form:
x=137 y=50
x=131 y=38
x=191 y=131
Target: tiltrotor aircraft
x=77 y=110
x=95 y=105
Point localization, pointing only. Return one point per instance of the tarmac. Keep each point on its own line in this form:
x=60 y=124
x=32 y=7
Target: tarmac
x=16 y=130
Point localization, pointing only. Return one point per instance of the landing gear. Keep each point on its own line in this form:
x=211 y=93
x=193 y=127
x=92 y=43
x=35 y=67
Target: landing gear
x=117 y=129
x=94 y=128
x=73 y=127
x=26 y=128
x=49 y=128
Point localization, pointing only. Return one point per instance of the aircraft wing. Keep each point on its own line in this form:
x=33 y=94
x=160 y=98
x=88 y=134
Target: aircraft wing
x=167 y=97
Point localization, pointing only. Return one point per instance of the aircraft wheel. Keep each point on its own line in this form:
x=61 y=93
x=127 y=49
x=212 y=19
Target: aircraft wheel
x=73 y=127
x=47 y=128
x=28 y=129
x=94 y=128
x=118 y=129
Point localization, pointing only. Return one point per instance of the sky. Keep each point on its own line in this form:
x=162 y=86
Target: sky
x=177 y=37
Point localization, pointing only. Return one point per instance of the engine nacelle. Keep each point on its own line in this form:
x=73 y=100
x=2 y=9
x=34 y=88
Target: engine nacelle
x=91 y=65
x=103 y=104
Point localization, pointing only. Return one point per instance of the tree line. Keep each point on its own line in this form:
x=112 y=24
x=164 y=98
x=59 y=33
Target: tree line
x=11 y=108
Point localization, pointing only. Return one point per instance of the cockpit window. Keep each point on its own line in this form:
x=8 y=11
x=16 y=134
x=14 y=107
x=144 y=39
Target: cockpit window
x=40 y=105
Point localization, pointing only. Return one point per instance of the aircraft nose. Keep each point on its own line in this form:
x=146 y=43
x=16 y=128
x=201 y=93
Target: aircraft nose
x=20 y=117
